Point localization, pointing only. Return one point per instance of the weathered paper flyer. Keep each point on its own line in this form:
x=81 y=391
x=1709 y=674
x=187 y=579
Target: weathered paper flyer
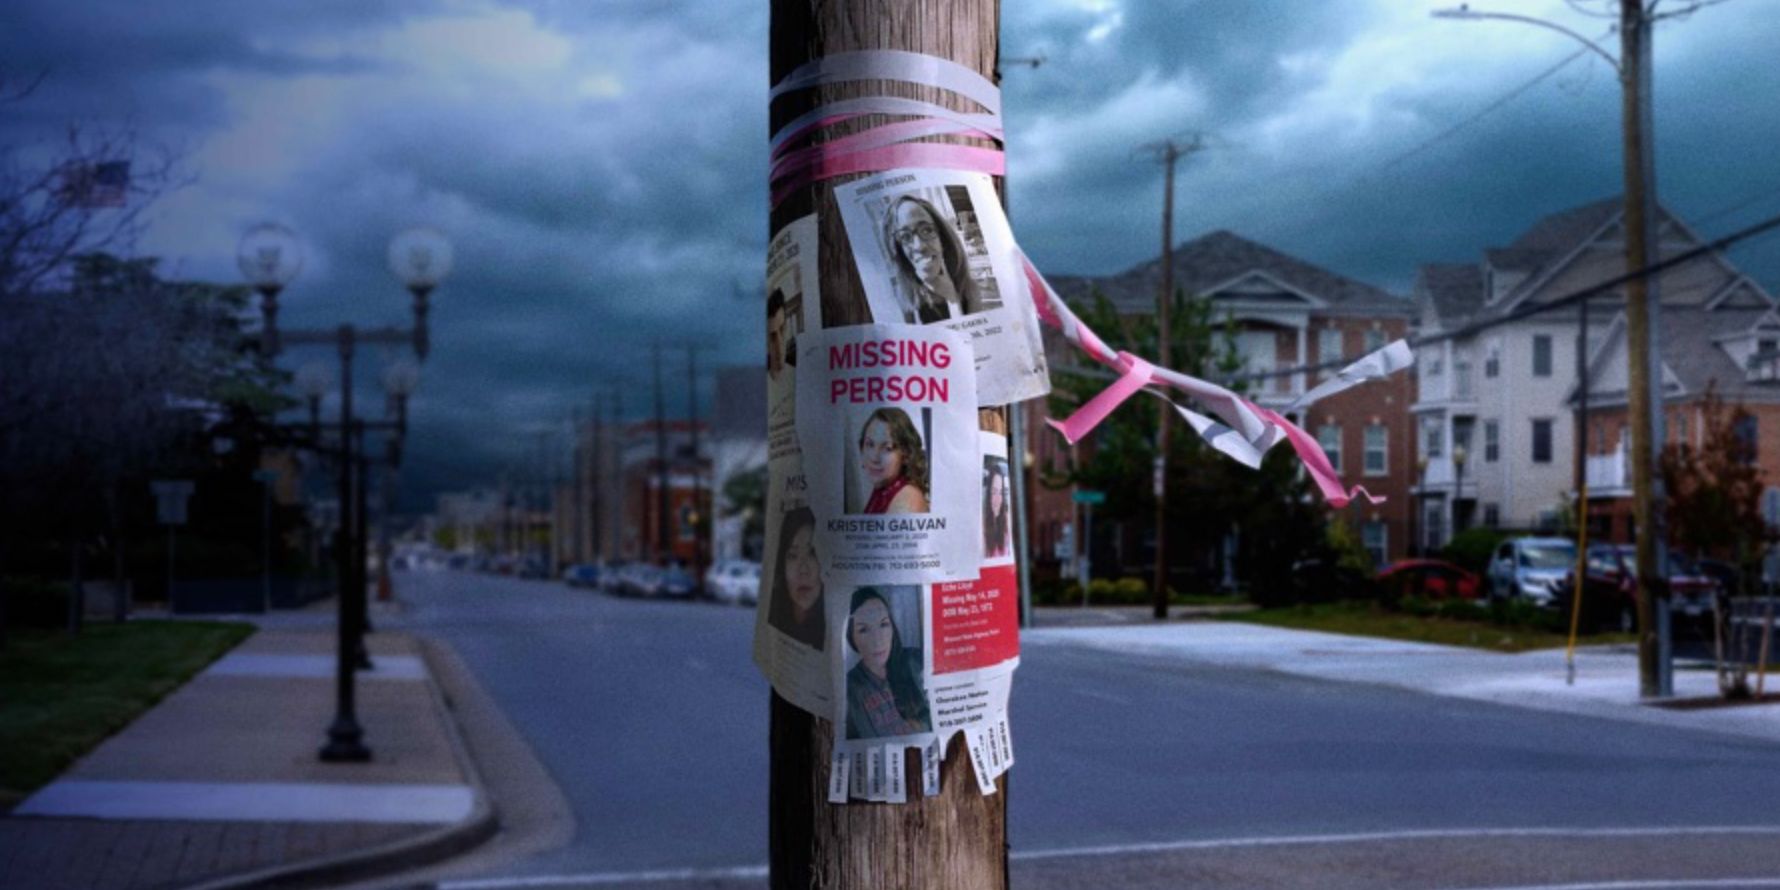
x=791 y=285
x=790 y=625
x=933 y=247
x=887 y=422
x=914 y=665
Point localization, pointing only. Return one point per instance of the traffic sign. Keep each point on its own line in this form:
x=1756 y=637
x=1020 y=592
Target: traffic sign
x=170 y=499
x=1089 y=496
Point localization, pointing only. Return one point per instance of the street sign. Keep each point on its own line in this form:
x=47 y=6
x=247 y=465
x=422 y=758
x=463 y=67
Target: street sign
x=170 y=499
x=1089 y=496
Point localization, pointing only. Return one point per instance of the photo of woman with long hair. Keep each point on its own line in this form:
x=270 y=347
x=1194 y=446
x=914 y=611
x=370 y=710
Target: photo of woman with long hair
x=998 y=527
x=893 y=462
x=884 y=694
x=796 y=608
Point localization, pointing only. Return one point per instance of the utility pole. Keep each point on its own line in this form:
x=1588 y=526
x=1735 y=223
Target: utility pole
x=1646 y=379
x=661 y=465
x=1169 y=152
x=1644 y=355
x=957 y=838
x=698 y=508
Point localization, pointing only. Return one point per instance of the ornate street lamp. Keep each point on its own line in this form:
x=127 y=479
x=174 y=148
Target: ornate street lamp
x=270 y=256
x=420 y=258
x=313 y=381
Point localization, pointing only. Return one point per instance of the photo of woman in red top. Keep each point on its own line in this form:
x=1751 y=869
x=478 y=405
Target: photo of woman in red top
x=893 y=462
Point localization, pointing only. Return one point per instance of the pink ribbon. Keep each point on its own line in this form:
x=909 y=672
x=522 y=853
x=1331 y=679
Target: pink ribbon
x=1322 y=472
x=1136 y=375
x=888 y=147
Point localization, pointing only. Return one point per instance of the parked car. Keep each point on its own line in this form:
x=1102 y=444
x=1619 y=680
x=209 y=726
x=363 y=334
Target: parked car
x=1609 y=597
x=677 y=582
x=1609 y=593
x=1530 y=568
x=1430 y=579
x=733 y=581
x=611 y=578
x=640 y=579
x=582 y=574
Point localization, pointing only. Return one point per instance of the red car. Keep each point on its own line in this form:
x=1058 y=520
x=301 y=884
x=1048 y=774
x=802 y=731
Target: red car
x=1610 y=596
x=1429 y=578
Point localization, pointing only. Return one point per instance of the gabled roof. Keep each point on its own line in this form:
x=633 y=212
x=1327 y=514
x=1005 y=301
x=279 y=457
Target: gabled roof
x=1691 y=353
x=1223 y=259
x=1562 y=231
x=1455 y=290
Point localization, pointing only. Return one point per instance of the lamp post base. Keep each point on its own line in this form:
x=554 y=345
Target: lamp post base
x=345 y=743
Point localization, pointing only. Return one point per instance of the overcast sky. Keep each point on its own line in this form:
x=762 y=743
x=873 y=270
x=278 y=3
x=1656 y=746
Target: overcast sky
x=600 y=164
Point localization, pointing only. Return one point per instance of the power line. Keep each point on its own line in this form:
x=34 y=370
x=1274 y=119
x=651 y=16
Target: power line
x=1527 y=311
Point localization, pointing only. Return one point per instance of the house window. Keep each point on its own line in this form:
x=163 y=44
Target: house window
x=1257 y=350
x=1328 y=436
x=1770 y=507
x=1377 y=445
x=1744 y=429
x=1541 y=355
x=1374 y=340
x=1376 y=539
x=1542 y=440
x=1492 y=515
x=1434 y=442
x=1328 y=344
x=1492 y=441
x=1492 y=361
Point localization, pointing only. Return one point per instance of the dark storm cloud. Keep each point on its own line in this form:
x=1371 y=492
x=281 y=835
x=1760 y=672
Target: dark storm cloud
x=601 y=165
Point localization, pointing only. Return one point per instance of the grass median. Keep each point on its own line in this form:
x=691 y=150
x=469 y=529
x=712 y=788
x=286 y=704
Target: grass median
x=1367 y=619
x=61 y=695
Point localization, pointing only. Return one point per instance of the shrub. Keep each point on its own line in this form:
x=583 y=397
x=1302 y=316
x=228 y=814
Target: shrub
x=1472 y=547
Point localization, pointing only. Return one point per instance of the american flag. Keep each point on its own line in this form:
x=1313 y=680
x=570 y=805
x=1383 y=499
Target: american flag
x=105 y=184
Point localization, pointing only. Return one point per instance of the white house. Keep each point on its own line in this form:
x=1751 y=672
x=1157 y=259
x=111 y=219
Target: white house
x=1495 y=424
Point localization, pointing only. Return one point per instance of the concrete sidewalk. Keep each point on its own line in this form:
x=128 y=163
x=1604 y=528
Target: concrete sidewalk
x=1606 y=677
x=219 y=785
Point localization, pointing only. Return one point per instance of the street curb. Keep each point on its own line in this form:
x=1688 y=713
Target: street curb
x=401 y=855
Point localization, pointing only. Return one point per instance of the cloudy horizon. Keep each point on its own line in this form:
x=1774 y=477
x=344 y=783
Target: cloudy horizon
x=601 y=166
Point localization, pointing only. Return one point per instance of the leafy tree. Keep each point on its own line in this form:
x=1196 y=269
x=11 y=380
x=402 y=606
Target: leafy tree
x=744 y=495
x=1714 y=510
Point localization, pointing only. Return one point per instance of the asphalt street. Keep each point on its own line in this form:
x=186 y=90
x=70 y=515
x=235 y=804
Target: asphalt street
x=651 y=718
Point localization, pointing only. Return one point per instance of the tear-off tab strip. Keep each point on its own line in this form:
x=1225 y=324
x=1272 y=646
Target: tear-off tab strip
x=837 y=777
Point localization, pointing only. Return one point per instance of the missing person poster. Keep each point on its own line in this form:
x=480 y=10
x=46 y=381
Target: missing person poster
x=887 y=424
x=790 y=287
x=791 y=624
x=933 y=247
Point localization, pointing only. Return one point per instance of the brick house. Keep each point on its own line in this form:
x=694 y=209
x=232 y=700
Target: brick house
x=1732 y=346
x=1287 y=312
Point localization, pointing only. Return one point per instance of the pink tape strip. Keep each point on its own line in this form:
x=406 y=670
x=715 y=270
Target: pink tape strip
x=1322 y=472
x=1136 y=375
x=865 y=140
x=919 y=154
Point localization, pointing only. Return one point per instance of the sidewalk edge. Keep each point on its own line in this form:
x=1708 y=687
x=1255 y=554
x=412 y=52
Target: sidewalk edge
x=424 y=849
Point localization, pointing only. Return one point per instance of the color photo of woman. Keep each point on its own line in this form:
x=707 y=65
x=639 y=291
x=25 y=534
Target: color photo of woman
x=894 y=463
x=797 y=581
x=885 y=698
x=998 y=526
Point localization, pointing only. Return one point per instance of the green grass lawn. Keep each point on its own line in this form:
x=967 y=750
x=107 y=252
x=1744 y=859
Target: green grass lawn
x=61 y=695
x=1371 y=620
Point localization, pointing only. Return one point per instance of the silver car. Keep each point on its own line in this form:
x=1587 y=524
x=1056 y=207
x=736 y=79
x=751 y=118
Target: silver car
x=1530 y=568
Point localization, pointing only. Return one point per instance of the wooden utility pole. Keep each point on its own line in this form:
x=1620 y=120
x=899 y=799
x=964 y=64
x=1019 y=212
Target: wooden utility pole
x=1169 y=151
x=1644 y=401
x=957 y=839
x=700 y=514
x=661 y=550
